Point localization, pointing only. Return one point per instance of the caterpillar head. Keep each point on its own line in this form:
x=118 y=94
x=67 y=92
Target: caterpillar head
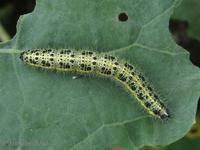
x=35 y=57
x=22 y=56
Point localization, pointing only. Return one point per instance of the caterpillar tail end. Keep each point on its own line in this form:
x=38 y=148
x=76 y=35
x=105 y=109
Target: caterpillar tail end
x=165 y=115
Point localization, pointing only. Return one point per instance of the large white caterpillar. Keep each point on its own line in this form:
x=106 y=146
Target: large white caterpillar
x=101 y=64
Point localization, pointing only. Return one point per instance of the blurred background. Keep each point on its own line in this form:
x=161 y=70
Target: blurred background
x=10 y=10
x=184 y=27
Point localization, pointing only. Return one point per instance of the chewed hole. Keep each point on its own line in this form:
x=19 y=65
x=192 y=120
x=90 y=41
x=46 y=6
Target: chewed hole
x=123 y=17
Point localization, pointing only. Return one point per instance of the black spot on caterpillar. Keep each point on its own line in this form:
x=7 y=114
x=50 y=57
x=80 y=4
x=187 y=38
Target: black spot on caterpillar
x=102 y=64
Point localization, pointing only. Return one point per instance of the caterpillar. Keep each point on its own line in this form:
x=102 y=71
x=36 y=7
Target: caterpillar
x=102 y=64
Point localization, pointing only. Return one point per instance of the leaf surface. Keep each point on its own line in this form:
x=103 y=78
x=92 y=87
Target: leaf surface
x=47 y=110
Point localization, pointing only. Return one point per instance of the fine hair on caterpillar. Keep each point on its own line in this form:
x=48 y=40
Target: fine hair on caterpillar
x=88 y=62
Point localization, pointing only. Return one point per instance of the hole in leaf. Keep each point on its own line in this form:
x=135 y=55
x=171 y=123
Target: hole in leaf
x=123 y=17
